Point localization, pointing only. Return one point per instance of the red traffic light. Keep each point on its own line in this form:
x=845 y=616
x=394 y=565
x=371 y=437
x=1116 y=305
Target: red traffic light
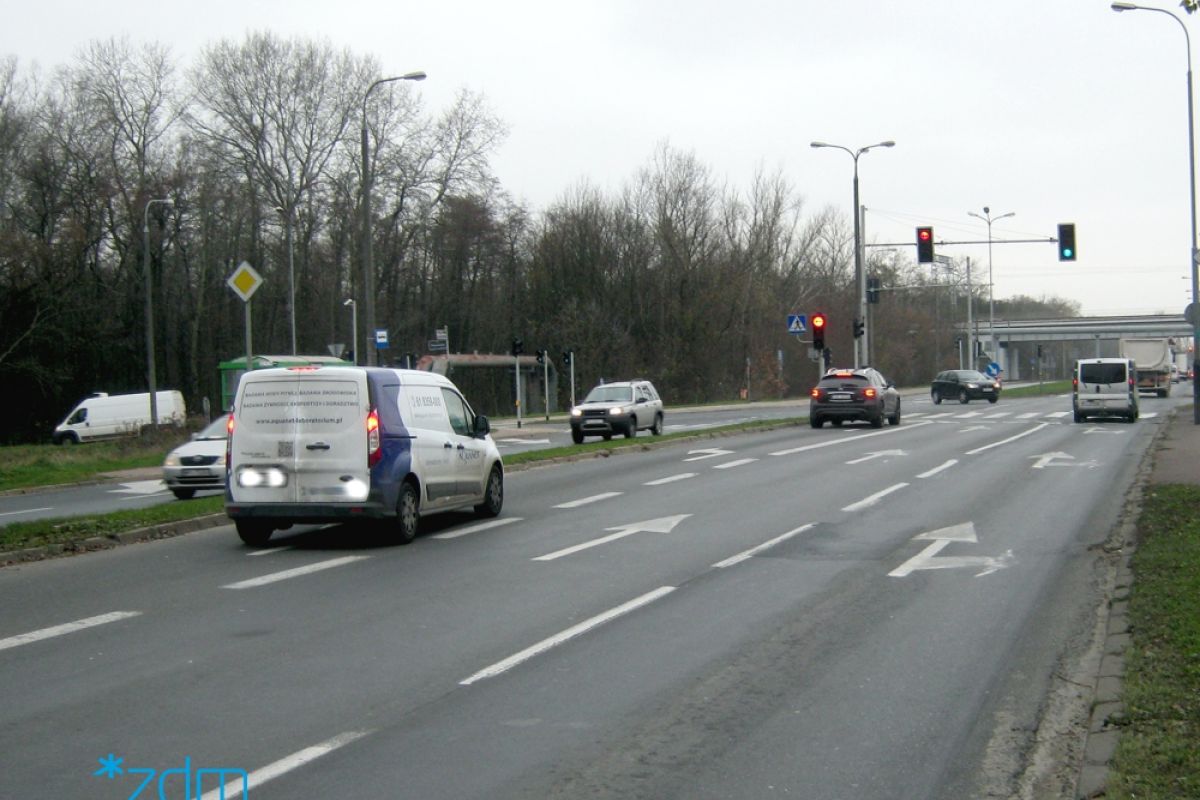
x=924 y=234
x=818 y=322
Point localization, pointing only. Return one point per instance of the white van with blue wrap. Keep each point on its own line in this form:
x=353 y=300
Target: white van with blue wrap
x=319 y=444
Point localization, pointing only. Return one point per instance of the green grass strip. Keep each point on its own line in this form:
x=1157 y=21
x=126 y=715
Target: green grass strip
x=68 y=530
x=1158 y=755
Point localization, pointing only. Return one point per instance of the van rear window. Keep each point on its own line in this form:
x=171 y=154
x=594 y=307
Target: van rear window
x=316 y=406
x=1102 y=373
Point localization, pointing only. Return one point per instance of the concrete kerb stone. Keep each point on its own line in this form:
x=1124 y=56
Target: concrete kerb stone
x=164 y=530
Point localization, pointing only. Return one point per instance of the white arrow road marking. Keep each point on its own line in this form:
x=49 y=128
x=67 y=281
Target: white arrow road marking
x=583 y=501
x=709 y=453
x=683 y=476
x=878 y=454
x=936 y=470
x=1102 y=430
x=570 y=633
x=68 y=627
x=141 y=487
x=1021 y=435
x=660 y=525
x=294 y=573
x=964 y=532
x=482 y=526
x=281 y=767
x=1061 y=460
x=867 y=502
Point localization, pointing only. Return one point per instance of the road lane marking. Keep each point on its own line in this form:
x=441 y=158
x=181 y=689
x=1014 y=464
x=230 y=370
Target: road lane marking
x=867 y=502
x=683 y=476
x=570 y=633
x=969 y=415
x=847 y=440
x=283 y=766
x=878 y=454
x=748 y=554
x=275 y=577
x=584 y=501
x=68 y=627
x=1029 y=415
x=660 y=525
x=482 y=526
x=26 y=511
x=1059 y=414
x=998 y=415
x=741 y=462
x=936 y=470
x=268 y=551
x=1021 y=435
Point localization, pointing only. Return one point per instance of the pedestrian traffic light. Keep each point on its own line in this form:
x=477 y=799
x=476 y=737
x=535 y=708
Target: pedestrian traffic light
x=858 y=328
x=541 y=356
x=1066 y=241
x=873 y=286
x=818 y=331
x=518 y=347
x=567 y=357
x=925 y=245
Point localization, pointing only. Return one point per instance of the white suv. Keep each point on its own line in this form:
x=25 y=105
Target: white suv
x=623 y=407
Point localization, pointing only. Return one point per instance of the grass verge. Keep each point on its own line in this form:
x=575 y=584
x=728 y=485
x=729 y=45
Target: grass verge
x=23 y=466
x=1039 y=390
x=1158 y=755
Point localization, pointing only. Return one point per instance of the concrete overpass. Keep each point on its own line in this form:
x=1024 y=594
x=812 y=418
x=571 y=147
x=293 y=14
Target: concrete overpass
x=1066 y=339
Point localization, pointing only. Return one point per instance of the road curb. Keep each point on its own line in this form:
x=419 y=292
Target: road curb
x=163 y=530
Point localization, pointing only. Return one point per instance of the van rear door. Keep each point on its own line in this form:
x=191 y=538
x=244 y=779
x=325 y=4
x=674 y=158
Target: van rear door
x=311 y=426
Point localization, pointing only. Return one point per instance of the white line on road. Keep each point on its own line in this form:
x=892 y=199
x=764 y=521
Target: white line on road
x=268 y=551
x=683 y=476
x=847 y=440
x=294 y=573
x=1034 y=429
x=936 y=470
x=26 y=511
x=867 y=502
x=1058 y=414
x=482 y=526
x=282 y=766
x=1029 y=415
x=741 y=462
x=570 y=633
x=748 y=554
x=584 y=501
x=69 y=627
x=998 y=415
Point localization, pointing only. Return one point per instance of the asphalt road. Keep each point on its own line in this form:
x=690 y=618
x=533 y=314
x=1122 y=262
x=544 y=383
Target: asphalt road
x=843 y=613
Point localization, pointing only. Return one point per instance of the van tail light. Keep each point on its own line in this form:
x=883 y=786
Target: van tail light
x=374 y=451
x=229 y=426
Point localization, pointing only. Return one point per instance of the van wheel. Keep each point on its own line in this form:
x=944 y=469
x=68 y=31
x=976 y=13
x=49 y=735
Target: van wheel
x=254 y=532
x=184 y=494
x=69 y=438
x=406 y=513
x=1079 y=417
x=493 y=494
x=657 y=428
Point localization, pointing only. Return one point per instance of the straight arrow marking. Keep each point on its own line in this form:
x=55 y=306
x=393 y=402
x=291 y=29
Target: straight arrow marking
x=660 y=525
x=878 y=454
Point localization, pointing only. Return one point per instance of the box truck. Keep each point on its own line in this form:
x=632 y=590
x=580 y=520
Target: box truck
x=1152 y=357
x=105 y=416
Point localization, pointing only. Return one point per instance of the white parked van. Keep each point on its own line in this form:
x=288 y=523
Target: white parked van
x=105 y=416
x=1105 y=387
x=337 y=444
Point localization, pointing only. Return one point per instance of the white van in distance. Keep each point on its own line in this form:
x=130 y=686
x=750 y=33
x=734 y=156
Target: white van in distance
x=334 y=444
x=1105 y=387
x=105 y=416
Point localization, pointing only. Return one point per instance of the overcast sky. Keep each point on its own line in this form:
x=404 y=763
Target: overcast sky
x=1059 y=111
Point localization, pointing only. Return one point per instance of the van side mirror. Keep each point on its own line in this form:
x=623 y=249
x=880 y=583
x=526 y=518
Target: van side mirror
x=482 y=426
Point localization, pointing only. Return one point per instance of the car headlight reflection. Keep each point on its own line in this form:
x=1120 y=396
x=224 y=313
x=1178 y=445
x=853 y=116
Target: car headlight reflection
x=255 y=477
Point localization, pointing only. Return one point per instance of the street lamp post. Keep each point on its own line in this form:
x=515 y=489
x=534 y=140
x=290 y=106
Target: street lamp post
x=353 y=327
x=859 y=277
x=368 y=268
x=150 y=373
x=286 y=213
x=1195 y=266
x=987 y=217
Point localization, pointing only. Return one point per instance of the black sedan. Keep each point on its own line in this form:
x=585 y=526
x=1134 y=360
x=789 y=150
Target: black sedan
x=964 y=385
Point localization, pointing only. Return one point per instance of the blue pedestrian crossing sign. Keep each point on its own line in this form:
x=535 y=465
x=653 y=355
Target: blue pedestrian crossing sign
x=797 y=323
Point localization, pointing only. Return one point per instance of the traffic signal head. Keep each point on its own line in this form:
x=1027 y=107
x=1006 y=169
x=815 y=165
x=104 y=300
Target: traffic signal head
x=1066 y=241
x=567 y=357
x=818 y=331
x=518 y=347
x=925 y=245
x=873 y=286
x=541 y=356
x=858 y=328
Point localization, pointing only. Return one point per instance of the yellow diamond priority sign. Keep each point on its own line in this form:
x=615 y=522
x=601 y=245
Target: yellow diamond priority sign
x=244 y=281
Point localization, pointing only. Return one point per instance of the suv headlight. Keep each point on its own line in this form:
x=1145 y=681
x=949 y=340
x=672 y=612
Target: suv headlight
x=576 y=412
x=616 y=411
x=172 y=460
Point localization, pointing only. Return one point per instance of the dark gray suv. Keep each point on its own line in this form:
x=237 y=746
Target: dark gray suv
x=622 y=407
x=856 y=395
